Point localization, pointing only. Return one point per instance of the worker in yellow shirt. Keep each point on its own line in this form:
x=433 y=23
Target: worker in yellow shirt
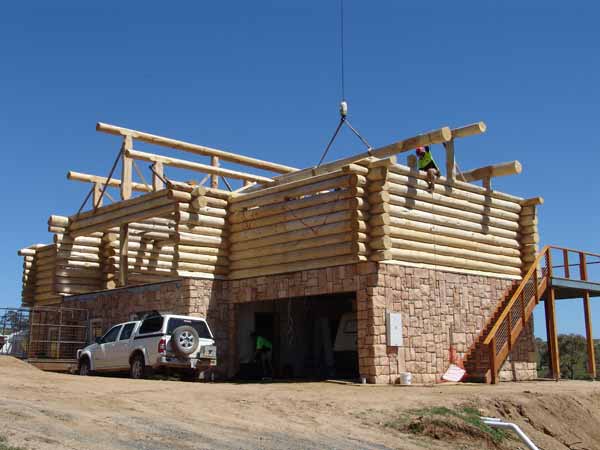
x=427 y=164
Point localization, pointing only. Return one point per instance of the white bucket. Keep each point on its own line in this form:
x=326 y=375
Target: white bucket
x=405 y=378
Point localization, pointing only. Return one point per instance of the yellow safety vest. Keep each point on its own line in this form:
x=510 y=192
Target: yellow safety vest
x=426 y=160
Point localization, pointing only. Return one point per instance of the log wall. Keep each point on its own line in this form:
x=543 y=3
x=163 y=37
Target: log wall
x=372 y=210
x=456 y=225
x=306 y=224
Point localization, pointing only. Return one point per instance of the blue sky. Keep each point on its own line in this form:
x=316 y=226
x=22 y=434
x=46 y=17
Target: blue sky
x=262 y=78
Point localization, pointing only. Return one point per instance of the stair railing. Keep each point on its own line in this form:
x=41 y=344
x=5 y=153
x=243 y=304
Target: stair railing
x=518 y=311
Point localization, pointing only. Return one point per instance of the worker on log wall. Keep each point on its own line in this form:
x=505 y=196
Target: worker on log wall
x=427 y=164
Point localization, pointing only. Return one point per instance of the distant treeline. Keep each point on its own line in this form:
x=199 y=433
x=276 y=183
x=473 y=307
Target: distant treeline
x=572 y=350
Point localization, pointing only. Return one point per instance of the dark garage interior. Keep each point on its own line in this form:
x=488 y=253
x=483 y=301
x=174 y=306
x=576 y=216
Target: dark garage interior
x=312 y=337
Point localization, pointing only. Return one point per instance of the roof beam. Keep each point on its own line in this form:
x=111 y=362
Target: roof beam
x=495 y=170
x=193 y=148
x=433 y=137
x=113 y=182
x=183 y=164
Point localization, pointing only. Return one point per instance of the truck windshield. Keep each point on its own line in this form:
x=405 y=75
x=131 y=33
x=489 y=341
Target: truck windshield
x=199 y=325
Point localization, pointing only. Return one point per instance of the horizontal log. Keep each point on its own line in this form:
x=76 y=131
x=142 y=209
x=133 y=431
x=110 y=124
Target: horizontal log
x=193 y=148
x=205 y=211
x=207 y=231
x=199 y=202
x=424 y=205
x=423 y=233
x=439 y=249
x=325 y=251
x=514 y=202
x=126 y=217
x=200 y=219
x=293 y=246
x=272 y=195
x=200 y=240
x=293 y=225
x=211 y=193
x=469 y=130
x=293 y=205
x=142 y=199
x=436 y=219
x=296 y=266
x=495 y=170
x=81 y=240
x=297 y=235
x=168 y=266
x=434 y=137
x=58 y=221
x=114 y=182
x=449 y=261
x=204 y=168
x=202 y=250
x=350 y=204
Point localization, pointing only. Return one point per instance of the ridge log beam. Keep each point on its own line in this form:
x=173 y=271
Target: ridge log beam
x=434 y=137
x=193 y=148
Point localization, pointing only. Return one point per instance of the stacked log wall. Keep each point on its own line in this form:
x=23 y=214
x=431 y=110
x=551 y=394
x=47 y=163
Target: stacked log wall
x=457 y=225
x=305 y=224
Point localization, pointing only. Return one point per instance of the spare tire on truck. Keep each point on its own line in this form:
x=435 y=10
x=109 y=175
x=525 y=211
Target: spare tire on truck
x=185 y=340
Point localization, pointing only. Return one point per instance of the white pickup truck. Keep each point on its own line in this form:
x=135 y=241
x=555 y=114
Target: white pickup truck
x=159 y=341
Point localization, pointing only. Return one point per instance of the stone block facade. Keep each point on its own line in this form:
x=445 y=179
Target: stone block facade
x=438 y=309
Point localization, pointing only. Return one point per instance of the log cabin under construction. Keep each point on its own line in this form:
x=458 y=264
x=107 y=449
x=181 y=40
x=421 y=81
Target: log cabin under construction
x=422 y=273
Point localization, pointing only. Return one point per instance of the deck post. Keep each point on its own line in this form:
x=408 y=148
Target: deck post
x=588 y=319
x=97 y=196
x=552 y=334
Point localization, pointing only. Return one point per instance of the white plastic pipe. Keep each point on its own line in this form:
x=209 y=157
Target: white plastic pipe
x=499 y=423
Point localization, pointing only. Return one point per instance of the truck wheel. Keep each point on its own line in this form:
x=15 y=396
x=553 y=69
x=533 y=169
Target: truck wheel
x=185 y=340
x=138 y=367
x=84 y=367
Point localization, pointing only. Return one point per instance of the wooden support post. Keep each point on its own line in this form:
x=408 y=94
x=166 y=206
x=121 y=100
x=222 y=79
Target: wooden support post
x=450 y=161
x=126 y=178
x=493 y=366
x=97 y=197
x=214 y=178
x=588 y=319
x=159 y=172
x=123 y=254
x=566 y=263
x=552 y=334
x=487 y=183
x=411 y=161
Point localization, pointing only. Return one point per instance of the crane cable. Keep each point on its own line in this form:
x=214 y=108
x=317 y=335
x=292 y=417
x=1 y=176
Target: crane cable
x=343 y=104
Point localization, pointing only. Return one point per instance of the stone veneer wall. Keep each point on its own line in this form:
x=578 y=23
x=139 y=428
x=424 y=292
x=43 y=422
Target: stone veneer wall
x=431 y=302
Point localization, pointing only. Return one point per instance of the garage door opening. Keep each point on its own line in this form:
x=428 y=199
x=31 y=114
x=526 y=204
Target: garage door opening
x=312 y=337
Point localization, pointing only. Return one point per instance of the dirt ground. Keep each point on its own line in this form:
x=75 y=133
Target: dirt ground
x=40 y=410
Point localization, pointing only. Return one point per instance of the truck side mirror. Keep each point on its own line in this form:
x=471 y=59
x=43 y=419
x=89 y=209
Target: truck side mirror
x=99 y=340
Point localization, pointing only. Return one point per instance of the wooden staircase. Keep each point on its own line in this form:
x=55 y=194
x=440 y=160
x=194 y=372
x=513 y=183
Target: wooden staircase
x=515 y=310
x=495 y=342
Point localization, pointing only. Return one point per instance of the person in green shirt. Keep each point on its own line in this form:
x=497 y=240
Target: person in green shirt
x=427 y=164
x=264 y=353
